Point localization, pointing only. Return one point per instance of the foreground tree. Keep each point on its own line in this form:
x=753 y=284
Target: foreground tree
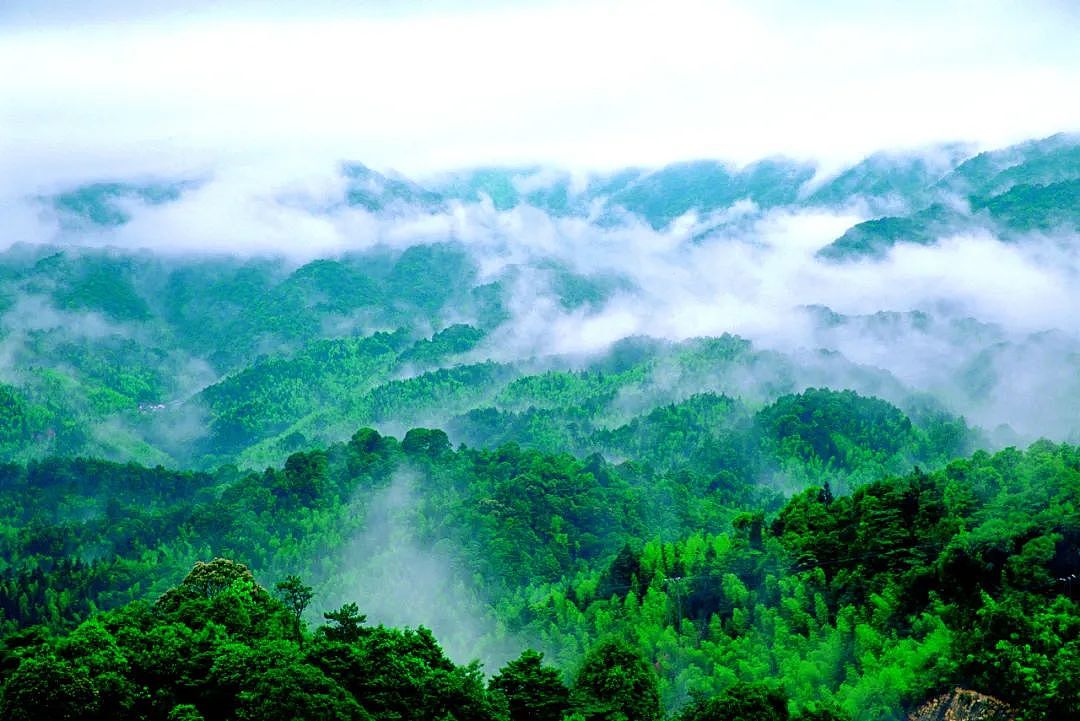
x=46 y=687
x=345 y=624
x=616 y=684
x=296 y=597
x=741 y=702
x=534 y=692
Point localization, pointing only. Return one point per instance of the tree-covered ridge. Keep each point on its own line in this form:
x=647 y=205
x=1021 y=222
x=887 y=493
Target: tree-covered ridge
x=160 y=386
x=655 y=196
x=854 y=602
x=108 y=204
x=891 y=179
x=874 y=238
x=220 y=646
x=92 y=337
x=1035 y=207
x=692 y=464
x=1033 y=162
x=195 y=361
x=706 y=186
x=798 y=435
x=114 y=349
x=863 y=603
x=1010 y=192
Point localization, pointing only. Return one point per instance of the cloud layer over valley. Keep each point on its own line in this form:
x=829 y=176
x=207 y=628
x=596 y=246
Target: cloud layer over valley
x=984 y=308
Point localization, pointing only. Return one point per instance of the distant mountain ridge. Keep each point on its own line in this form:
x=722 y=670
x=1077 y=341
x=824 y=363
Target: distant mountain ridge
x=920 y=195
x=1032 y=186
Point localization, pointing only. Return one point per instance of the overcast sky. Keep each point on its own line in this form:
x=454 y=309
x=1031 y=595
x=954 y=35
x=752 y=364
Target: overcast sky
x=119 y=86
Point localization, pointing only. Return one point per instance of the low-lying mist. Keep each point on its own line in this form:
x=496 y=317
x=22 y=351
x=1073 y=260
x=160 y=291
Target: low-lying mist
x=986 y=326
x=401 y=581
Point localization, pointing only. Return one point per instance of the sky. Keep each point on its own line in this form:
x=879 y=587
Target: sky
x=120 y=87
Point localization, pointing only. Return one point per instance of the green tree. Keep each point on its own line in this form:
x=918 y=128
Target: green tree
x=616 y=684
x=346 y=624
x=296 y=596
x=46 y=687
x=207 y=580
x=741 y=702
x=185 y=712
x=534 y=692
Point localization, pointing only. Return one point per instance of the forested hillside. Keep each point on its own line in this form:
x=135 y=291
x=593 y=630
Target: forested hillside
x=704 y=584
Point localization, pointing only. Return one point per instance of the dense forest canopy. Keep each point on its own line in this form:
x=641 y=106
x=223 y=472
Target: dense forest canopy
x=857 y=605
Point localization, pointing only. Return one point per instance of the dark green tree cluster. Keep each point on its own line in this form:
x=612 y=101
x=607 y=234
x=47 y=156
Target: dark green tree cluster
x=860 y=602
x=220 y=647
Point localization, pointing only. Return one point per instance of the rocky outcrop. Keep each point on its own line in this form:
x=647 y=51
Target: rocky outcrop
x=963 y=705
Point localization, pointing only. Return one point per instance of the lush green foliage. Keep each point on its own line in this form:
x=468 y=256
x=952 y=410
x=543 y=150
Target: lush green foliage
x=862 y=603
x=691 y=530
